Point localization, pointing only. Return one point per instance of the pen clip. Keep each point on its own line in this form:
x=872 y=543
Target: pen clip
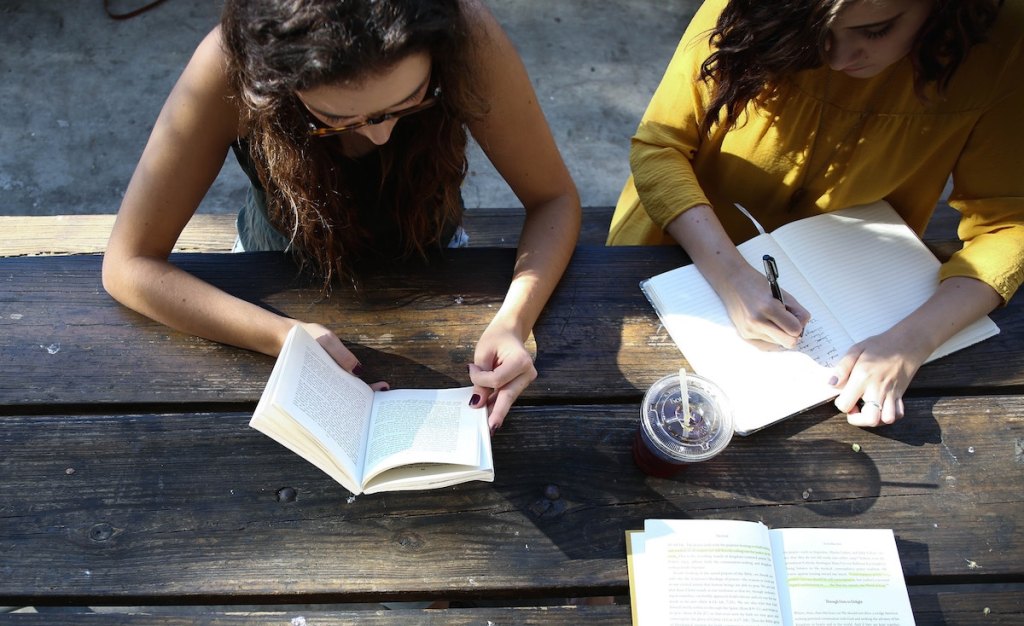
x=771 y=271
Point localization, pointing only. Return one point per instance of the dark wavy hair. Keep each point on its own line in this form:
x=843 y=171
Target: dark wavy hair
x=278 y=47
x=757 y=43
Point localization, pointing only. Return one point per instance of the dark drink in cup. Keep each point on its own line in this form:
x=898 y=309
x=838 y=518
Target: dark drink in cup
x=668 y=439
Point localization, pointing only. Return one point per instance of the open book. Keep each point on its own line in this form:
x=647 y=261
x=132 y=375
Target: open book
x=858 y=271
x=371 y=441
x=706 y=572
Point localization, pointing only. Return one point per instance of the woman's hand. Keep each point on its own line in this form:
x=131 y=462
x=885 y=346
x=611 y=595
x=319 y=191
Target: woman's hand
x=758 y=317
x=341 y=354
x=875 y=373
x=502 y=368
x=879 y=369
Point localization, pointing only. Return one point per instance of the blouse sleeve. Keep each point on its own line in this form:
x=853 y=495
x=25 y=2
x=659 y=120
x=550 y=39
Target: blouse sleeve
x=988 y=191
x=667 y=139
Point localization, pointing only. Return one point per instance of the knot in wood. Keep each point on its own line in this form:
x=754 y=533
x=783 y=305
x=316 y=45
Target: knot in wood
x=549 y=507
x=410 y=541
x=287 y=494
x=101 y=532
x=552 y=492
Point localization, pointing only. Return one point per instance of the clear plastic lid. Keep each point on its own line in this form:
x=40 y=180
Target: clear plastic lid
x=707 y=431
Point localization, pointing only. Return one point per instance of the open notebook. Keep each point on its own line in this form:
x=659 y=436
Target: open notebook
x=858 y=271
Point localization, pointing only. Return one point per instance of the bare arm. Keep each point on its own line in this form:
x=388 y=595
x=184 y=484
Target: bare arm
x=182 y=158
x=516 y=138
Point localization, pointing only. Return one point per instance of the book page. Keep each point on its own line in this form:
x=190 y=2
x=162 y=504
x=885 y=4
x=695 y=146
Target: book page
x=423 y=426
x=329 y=404
x=871 y=269
x=436 y=475
x=704 y=572
x=840 y=577
x=763 y=386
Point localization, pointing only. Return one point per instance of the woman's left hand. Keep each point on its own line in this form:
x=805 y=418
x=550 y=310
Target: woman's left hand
x=874 y=374
x=502 y=368
x=878 y=370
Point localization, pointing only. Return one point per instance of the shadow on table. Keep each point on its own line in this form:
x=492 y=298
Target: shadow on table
x=588 y=491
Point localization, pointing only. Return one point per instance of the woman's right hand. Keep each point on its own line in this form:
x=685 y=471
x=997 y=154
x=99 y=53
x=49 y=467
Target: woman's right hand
x=758 y=317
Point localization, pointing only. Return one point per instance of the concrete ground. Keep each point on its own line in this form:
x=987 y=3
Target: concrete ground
x=80 y=92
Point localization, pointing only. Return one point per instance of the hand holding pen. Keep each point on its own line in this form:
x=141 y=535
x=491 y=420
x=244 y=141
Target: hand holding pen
x=771 y=272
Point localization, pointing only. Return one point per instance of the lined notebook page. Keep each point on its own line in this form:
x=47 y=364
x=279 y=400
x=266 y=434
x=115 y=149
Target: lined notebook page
x=763 y=387
x=871 y=269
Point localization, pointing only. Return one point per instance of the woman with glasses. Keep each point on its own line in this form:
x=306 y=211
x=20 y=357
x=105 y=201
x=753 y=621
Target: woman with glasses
x=350 y=119
x=795 y=108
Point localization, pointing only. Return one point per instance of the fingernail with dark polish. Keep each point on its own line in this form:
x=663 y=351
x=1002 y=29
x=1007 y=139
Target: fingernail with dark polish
x=474 y=399
x=832 y=381
x=358 y=369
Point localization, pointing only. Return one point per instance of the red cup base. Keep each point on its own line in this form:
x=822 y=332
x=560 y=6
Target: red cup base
x=650 y=463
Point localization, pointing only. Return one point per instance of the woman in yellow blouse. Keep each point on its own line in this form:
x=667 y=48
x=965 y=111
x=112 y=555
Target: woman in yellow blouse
x=795 y=108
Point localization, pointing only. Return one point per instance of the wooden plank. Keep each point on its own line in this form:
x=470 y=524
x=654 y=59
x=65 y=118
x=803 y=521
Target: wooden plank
x=499 y=228
x=949 y=605
x=612 y=615
x=487 y=227
x=88 y=234
x=64 y=341
x=188 y=508
x=969 y=604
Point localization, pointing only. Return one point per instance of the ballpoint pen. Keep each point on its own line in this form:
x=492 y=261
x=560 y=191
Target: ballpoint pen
x=771 y=270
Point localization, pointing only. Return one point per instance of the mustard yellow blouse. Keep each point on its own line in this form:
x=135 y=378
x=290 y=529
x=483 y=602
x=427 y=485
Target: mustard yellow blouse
x=829 y=141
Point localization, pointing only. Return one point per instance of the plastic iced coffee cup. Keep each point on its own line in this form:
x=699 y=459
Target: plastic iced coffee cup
x=668 y=440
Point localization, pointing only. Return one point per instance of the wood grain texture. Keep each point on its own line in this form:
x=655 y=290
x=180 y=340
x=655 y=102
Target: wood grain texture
x=40 y=235
x=515 y=616
x=492 y=228
x=64 y=341
x=186 y=508
x=1001 y=604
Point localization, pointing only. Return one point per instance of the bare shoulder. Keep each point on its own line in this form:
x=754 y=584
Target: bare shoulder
x=204 y=86
x=475 y=11
x=484 y=30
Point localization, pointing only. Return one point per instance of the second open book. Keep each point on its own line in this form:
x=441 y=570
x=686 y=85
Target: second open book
x=371 y=441
x=858 y=271
x=706 y=572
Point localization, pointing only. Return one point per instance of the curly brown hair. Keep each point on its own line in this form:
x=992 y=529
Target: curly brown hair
x=757 y=43
x=276 y=48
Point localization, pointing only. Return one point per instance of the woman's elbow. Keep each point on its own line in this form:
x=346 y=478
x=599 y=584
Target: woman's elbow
x=116 y=275
x=111 y=276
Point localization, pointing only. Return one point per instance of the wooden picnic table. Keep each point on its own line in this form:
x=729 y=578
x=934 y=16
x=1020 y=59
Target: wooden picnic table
x=129 y=475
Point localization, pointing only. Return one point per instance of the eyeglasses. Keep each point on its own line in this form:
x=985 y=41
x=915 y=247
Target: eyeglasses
x=317 y=130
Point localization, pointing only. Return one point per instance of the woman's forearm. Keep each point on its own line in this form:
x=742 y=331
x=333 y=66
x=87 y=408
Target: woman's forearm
x=957 y=302
x=701 y=235
x=546 y=245
x=159 y=290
